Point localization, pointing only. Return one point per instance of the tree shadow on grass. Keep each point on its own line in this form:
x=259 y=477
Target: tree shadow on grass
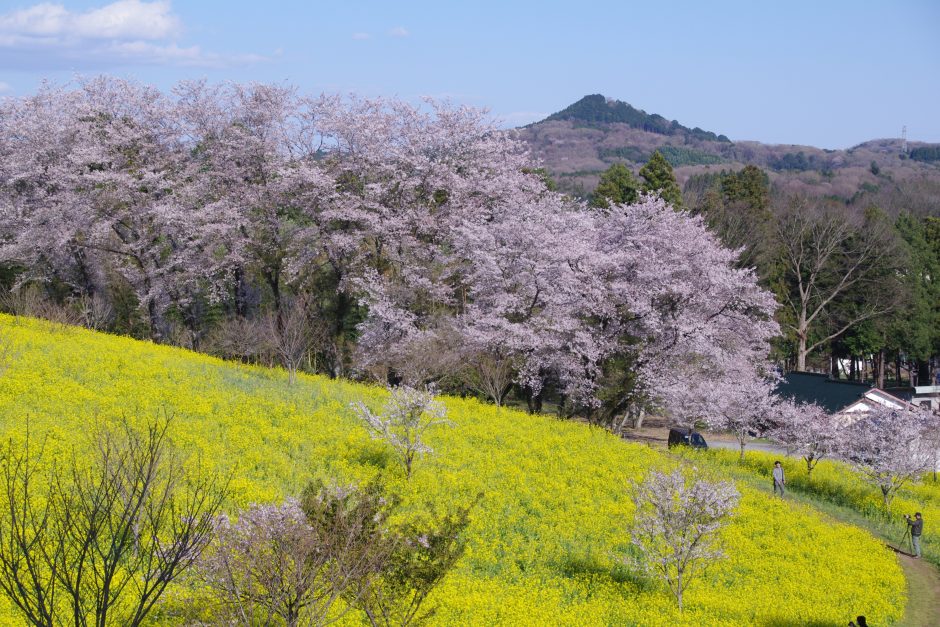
x=375 y=456
x=575 y=565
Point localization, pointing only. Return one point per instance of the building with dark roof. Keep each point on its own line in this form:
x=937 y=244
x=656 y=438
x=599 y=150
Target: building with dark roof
x=836 y=396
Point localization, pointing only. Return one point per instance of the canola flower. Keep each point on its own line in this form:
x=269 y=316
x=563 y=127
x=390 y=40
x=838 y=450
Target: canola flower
x=838 y=483
x=547 y=539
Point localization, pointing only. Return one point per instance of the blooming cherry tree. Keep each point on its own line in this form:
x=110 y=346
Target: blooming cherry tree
x=810 y=431
x=676 y=524
x=890 y=447
x=408 y=415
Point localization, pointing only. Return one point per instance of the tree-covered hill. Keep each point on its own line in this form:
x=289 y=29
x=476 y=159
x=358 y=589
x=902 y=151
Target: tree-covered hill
x=582 y=140
x=596 y=109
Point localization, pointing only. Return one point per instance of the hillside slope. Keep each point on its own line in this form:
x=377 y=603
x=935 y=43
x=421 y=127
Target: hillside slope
x=545 y=542
x=579 y=142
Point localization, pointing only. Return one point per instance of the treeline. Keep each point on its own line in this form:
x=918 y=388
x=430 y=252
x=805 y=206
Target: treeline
x=925 y=153
x=369 y=239
x=859 y=290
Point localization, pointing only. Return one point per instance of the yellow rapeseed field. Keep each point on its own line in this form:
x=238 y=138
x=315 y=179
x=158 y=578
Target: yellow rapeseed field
x=840 y=484
x=545 y=541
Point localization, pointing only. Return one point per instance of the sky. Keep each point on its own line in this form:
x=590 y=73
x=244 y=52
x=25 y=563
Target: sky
x=830 y=74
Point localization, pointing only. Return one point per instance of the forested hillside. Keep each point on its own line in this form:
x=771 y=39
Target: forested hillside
x=581 y=141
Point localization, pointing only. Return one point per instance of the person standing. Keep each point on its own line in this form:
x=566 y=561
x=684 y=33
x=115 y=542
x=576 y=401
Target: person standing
x=917 y=528
x=780 y=479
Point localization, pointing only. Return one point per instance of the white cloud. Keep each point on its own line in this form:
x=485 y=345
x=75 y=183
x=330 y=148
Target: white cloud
x=124 y=19
x=5 y=88
x=121 y=32
x=399 y=31
x=361 y=36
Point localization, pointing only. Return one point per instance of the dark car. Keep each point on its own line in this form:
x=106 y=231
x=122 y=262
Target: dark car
x=686 y=437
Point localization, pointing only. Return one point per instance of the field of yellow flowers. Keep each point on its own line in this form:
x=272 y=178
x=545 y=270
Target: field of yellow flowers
x=837 y=483
x=546 y=540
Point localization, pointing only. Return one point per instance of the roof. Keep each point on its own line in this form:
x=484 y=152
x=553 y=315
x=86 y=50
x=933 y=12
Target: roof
x=875 y=398
x=831 y=394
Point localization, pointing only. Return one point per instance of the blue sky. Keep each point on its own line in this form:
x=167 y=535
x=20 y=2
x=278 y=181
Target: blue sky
x=829 y=74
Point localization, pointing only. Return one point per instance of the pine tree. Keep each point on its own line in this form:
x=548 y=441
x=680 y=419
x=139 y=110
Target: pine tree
x=617 y=186
x=659 y=178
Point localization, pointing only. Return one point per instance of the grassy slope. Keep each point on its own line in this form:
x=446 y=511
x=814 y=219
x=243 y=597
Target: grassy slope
x=544 y=540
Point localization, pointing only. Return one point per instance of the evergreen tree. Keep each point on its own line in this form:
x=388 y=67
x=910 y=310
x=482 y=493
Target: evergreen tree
x=617 y=186
x=659 y=178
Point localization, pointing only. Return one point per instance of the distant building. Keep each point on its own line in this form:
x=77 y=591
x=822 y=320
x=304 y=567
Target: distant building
x=836 y=396
x=927 y=397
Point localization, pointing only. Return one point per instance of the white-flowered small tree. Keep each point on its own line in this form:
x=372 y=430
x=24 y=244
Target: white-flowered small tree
x=808 y=430
x=676 y=524
x=890 y=447
x=408 y=415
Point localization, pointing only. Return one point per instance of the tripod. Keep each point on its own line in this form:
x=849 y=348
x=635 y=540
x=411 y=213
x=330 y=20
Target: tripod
x=906 y=541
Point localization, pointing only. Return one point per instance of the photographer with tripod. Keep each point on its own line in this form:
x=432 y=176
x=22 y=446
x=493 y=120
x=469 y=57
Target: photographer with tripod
x=915 y=528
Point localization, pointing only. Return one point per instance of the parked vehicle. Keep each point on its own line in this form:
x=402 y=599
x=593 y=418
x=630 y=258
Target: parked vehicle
x=686 y=437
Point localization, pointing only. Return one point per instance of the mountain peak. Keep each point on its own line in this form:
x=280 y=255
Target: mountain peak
x=597 y=109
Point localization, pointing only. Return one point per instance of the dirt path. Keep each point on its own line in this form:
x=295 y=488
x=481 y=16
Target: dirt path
x=923 y=593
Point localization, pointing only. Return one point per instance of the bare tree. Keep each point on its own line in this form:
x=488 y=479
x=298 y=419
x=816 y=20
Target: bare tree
x=824 y=256
x=242 y=339
x=408 y=415
x=95 y=311
x=293 y=333
x=293 y=562
x=98 y=538
x=676 y=523
x=6 y=353
x=490 y=374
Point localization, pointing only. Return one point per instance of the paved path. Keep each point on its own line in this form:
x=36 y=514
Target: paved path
x=721 y=441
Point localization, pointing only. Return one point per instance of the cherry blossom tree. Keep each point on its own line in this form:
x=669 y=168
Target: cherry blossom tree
x=890 y=447
x=96 y=179
x=810 y=431
x=747 y=408
x=408 y=415
x=419 y=236
x=695 y=322
x=676 y=524
x=294 y=562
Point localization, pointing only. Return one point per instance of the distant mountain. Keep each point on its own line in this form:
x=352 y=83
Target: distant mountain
x=598 y=109
x=582 y=140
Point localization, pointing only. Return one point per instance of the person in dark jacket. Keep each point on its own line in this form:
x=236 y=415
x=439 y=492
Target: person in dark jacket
x=859 y=622
x=917 y=529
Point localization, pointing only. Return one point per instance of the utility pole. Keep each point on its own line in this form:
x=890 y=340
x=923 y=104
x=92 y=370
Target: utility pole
x=904 y=139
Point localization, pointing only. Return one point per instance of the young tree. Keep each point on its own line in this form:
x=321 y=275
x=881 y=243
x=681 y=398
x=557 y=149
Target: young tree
x=890 y=447
x=97 y=539
x=659 y=179
x=408 y=415
x=293 y=334
x=747 y=408
x=295 y=561
x=676 y=523
x=422 y=557
x=810 y=431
